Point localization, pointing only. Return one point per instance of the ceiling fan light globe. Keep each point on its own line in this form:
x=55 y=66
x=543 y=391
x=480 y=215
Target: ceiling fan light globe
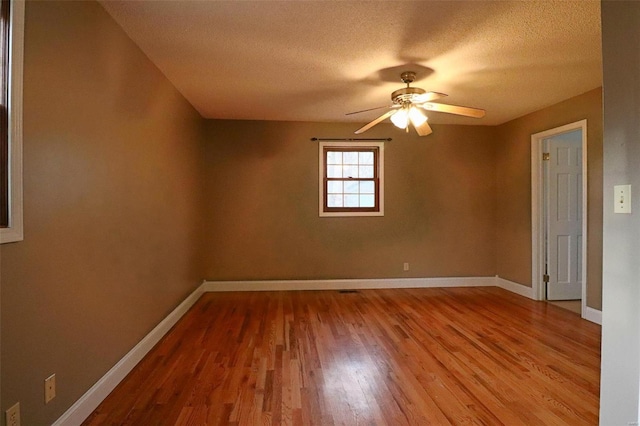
x=417 y=117
x=400 y=119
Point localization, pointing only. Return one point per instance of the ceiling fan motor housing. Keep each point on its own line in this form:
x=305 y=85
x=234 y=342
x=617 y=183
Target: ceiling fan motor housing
x=407 y=95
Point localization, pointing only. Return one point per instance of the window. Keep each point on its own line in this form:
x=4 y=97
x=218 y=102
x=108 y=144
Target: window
x=11 y=39
x=351 y=179
x=4 y=113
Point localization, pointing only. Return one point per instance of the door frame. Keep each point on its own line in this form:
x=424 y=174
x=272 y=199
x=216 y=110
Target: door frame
x=537 y=208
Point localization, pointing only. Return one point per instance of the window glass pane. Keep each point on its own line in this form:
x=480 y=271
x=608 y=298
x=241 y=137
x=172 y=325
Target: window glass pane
x=350 y=157
x=351 y=171
x=365 y=157
x=334 y=157
x=334 y=187
x=351 y=187
x=367 y=187
x=351 y=200
x=366 y=171
x=367 y=200
x=334 y=171
x=334 y=200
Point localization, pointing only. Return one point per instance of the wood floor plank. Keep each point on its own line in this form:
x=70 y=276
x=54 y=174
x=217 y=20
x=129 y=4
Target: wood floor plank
x=460 y=356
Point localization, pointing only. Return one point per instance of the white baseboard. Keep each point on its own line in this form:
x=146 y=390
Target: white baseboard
x=593 y=315
x=514 y=287
x=83 y=407
x=590 y=314
x=348 y=284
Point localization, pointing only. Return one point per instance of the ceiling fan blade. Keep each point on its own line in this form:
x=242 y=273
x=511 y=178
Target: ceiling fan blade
x=429 y=96
x=454 y=109
x=424 y=129
x=373 y=109
x=374 y=122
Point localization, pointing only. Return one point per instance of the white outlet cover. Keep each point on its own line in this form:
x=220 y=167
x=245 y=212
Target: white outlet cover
x=12 y=415
x=49 y=388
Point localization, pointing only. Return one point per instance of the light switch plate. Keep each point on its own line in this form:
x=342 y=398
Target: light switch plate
x=622 y=199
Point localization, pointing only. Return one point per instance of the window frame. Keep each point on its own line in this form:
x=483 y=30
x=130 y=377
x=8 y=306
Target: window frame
x=15 y=229
x=5 y=25
x=378 y=147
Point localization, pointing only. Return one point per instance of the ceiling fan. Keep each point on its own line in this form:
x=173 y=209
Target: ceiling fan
x=407 y=105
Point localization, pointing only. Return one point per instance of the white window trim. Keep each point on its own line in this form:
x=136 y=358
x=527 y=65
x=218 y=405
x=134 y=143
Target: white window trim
x=352 y=144
x=15 y=231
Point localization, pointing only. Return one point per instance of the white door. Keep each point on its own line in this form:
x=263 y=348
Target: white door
x=564 y=215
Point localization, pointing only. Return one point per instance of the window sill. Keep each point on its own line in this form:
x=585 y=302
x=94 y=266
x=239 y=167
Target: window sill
x=350 y=214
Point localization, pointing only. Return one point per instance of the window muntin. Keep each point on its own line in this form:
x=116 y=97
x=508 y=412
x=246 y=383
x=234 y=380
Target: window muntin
x=350 y=179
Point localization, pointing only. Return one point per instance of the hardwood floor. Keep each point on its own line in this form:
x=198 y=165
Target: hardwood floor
x=571 y=305
x=375 y=357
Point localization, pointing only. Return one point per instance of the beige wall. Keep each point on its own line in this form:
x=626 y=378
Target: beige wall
x=513 y=238
x=262 y=205
x=441 y=210
x=111 y=196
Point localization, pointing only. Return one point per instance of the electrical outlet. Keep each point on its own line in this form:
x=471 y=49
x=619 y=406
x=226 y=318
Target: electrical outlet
x=49 y=388
x=12 y=415
x=406 y=266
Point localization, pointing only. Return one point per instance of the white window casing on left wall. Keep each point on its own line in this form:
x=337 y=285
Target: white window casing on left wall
x=15 y=231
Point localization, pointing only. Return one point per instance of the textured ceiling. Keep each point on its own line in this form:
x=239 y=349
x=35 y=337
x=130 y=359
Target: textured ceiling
x=317 y=60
